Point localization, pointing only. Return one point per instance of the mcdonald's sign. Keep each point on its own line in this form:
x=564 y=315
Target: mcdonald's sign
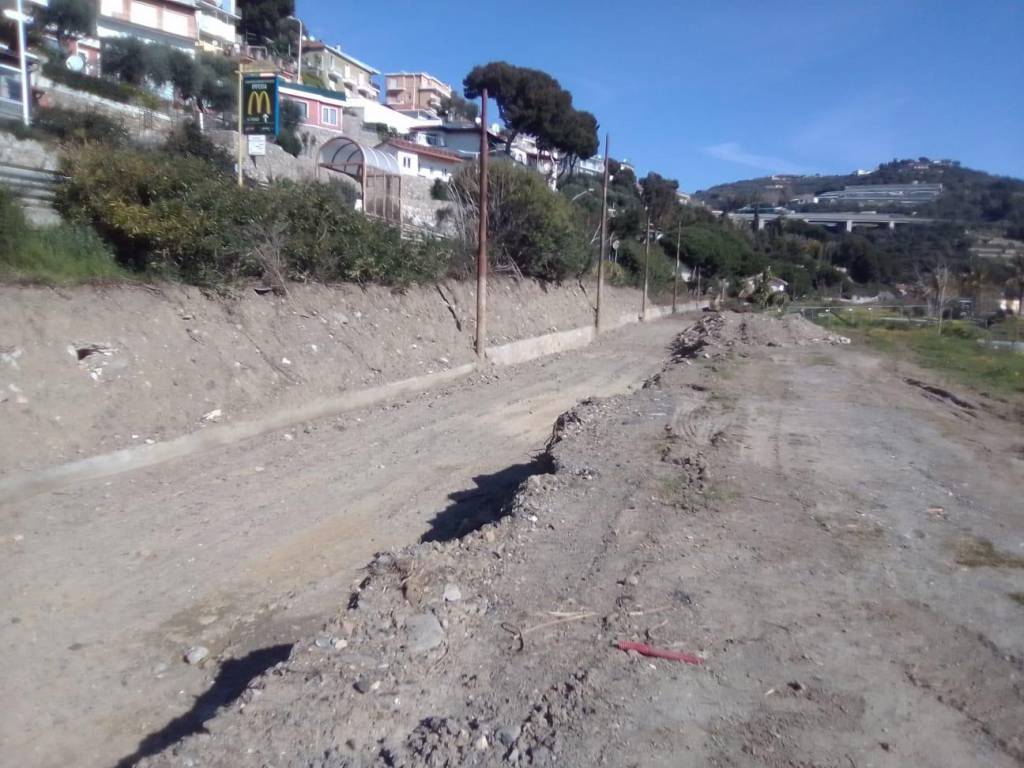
x=260 y=114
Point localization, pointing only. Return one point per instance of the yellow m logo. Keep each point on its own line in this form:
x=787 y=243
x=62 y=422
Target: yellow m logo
x=258 y=104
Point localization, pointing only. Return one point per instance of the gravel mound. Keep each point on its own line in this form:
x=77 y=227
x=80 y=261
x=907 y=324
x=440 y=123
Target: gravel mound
x=717 y=332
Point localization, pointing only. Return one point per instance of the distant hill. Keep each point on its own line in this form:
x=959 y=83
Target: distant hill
x=969 y=196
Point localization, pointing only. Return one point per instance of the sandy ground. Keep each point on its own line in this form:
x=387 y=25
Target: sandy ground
x=836 y=546
x=239 y=549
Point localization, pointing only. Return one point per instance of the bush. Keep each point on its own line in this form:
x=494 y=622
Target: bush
x=80 y=126
x=98 y=86
x=188 y=141
x=439 y=190
x=180 y=216
x=531 y=228
x=173 y=215
x=65 y=253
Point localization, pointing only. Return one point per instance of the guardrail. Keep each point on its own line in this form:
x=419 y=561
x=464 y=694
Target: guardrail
x=35 y=189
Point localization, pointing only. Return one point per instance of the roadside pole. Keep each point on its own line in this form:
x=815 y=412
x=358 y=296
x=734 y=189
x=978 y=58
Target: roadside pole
x=241 y=138
x=481 y=256
x=675 y=279
x=23 y=64
x=604 y=238
x=647 y=265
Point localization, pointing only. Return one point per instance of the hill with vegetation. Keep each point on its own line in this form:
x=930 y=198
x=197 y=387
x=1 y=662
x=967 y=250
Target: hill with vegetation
x=969 y=196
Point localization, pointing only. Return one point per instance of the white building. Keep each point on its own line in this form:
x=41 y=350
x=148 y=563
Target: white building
x=416 y=159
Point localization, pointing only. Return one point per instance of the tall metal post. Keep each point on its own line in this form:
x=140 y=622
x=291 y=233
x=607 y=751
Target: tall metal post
x=647 y=266
x=241 y=138
x=675 y=279
x=23 y=63
x=604 y=238
x=481 y=256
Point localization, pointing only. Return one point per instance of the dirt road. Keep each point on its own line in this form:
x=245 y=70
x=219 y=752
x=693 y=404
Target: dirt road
x=242 y=548
x=835 y=539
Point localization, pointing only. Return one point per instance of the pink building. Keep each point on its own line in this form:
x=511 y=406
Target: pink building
x=320 y=109
x=172 y=22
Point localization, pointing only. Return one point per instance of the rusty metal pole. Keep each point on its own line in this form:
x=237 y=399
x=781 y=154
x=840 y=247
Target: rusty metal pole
x=675 y=280
x=481 y=256
x=241 y=138
x=647 y=266
x=604 y=238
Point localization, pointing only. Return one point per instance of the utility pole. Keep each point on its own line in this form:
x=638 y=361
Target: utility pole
x=604 y=238
x=675 y=280
x=481 y=256
x=647 y=266
x=241 y=138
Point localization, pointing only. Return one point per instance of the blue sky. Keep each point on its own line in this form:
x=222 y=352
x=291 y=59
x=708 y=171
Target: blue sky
x=711 y=92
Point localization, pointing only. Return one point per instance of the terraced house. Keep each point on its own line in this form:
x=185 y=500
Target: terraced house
x=339 y=71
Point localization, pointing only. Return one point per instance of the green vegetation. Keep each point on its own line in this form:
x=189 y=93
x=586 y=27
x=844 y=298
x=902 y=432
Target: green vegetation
x=531 y=101
x=173 y=213
x=62 y=254
x=100 y=86
x=532 y=231
x=206 y=80
x=961 y=350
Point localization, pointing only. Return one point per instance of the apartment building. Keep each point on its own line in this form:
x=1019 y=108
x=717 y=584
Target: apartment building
x=171 y=22
x=218 y=25
x=339 y=71
x=415 y=92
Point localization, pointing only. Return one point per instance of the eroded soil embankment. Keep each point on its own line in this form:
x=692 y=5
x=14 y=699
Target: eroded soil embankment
x=90 y=370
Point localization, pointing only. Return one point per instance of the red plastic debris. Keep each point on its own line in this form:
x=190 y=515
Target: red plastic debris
x=658 y=653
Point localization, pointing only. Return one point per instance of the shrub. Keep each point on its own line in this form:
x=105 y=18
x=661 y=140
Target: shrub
x=80 y=126
x=98 y=86
x=439 y=190
x=169 y=214
x=532 y=229
x=188 y=141
x=178 y=215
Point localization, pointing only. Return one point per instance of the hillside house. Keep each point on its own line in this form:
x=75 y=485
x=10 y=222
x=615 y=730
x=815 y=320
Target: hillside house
x=339 y=71
x=416 y=159
x=171 y=22
x=415 y=92
x=321 y=110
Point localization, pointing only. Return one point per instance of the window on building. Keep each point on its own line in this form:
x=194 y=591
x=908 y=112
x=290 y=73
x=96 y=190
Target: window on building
x=433 y=140
x=393 y=83
x=407 y=162
x=144 y=14
x=329 y=115
x=111 y=7
x=176 y=23
x=303 y=108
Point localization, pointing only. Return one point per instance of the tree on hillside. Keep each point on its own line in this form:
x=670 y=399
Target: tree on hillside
x=455 y=107
x=263 y=21
x=533 y=102
x=126 y=59
x=660 y=197
x=69 y=18
x=579 y=139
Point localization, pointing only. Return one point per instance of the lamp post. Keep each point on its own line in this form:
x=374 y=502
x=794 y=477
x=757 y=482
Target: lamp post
x=298 y=75
x=19 y=16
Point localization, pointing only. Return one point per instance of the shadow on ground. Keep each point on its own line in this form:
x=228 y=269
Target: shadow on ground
x=232 y=679
x=488 y=501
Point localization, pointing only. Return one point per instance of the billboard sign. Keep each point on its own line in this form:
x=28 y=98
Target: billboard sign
x=260 y=112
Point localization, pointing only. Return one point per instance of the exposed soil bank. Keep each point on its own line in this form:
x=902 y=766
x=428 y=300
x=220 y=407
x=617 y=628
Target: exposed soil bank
x=90 y=370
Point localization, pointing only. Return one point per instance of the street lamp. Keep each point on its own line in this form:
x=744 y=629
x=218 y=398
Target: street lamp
x=581 y=194
x=299 y=73
x=19 y=16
